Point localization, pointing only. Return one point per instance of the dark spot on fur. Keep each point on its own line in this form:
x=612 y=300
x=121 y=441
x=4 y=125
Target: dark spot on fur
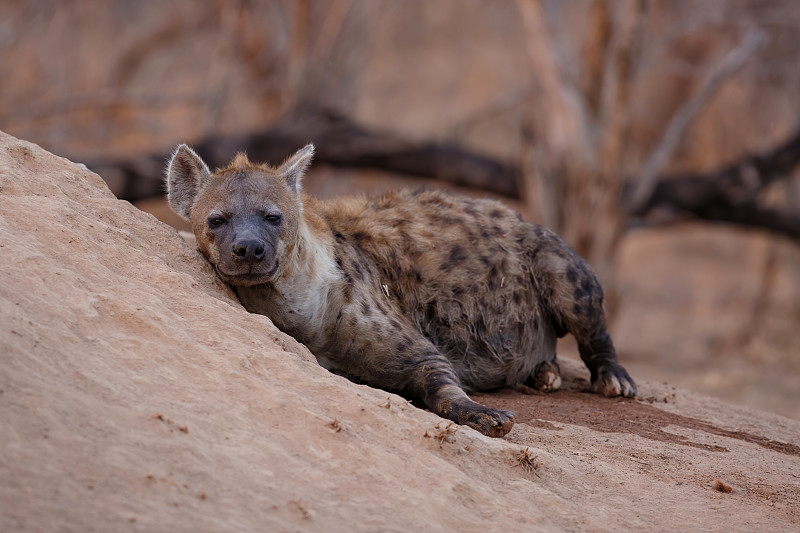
x=395 y=324
x=403 y=346
x=347 y=277
x=412 y=252
x=360 y=236
x=517 y=297
x=457 y=256
x=339 y=236
x=572 y=275
x=469 y=234
x=579 y=293
x=361 y=267
x=443 y=219
x=366 y=309
x=586 y=286
x=359 y=272
x=348 y=289
x=496 y=213
x=494 y=279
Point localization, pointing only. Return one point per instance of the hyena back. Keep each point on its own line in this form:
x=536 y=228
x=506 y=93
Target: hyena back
x=425 y=293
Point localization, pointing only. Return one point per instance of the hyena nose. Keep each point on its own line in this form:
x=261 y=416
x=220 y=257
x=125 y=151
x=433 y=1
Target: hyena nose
x=249 y=250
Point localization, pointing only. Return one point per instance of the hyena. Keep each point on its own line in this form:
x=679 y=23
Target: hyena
x=428 y=294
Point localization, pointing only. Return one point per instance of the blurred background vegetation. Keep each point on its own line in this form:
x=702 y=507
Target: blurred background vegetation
x=660 y=138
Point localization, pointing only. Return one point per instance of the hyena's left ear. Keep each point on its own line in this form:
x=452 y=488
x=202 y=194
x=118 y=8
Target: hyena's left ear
x=185 y=176
x=295 y=167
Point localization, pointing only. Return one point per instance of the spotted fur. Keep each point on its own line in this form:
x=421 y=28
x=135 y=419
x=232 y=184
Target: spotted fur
x=426 y=293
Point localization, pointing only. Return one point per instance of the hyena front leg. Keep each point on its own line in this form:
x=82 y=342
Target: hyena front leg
x=407 y=361
x=439 y=388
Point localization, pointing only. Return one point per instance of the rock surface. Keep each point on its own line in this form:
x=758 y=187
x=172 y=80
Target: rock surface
x=137 y=394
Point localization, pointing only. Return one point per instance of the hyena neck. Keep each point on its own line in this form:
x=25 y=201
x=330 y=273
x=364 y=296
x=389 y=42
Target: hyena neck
x=311 y=280
x=313 y=260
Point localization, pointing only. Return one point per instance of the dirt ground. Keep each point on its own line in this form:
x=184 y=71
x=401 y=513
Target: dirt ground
x=678 y=451
x=137 y=395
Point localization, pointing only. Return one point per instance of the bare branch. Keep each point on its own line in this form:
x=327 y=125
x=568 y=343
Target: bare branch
x=340 y=142
x=220 y=67
x=627 y=20
x=566 y=117
x=730 y=194
x=749 y=214
x=507 y=101
x=683 y=117
x=331 y=30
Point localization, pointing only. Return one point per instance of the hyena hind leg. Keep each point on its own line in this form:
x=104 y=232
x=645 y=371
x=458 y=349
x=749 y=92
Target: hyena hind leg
x=608 y=376
x=575 y=301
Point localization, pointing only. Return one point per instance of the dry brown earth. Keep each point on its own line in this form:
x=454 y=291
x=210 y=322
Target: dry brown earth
x=137 y=395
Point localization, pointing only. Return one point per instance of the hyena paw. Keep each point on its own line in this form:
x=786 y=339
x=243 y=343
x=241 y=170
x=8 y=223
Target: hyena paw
x=546 y=377
x=612 y=379
x=491 y=422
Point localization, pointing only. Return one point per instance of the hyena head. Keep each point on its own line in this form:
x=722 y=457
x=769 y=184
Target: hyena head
x=245 y=217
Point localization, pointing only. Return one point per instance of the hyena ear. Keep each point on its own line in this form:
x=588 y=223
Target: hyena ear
x=295 y=167
x=185 y=175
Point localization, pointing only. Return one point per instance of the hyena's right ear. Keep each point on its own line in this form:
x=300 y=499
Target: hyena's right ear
x=185 y=175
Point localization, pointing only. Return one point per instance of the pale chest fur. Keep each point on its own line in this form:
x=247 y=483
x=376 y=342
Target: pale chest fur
x=305 y=299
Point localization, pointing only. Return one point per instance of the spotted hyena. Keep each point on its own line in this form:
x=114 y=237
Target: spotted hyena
x=425 y=293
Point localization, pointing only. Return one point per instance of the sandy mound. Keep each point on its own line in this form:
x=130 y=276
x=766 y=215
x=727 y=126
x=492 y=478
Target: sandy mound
x=136 y=394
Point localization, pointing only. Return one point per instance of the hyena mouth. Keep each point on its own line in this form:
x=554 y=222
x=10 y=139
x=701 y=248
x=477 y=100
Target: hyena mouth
x=247 y=279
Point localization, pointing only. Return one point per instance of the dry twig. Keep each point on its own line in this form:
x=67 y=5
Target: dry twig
x=677 y=126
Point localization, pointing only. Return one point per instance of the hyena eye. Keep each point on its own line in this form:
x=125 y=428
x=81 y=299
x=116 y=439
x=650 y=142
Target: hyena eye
x=216 y=222
x=274 y=219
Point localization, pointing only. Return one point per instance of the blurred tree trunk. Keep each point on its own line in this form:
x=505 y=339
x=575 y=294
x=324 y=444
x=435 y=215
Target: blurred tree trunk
x=577 y=150
x=574 y=132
